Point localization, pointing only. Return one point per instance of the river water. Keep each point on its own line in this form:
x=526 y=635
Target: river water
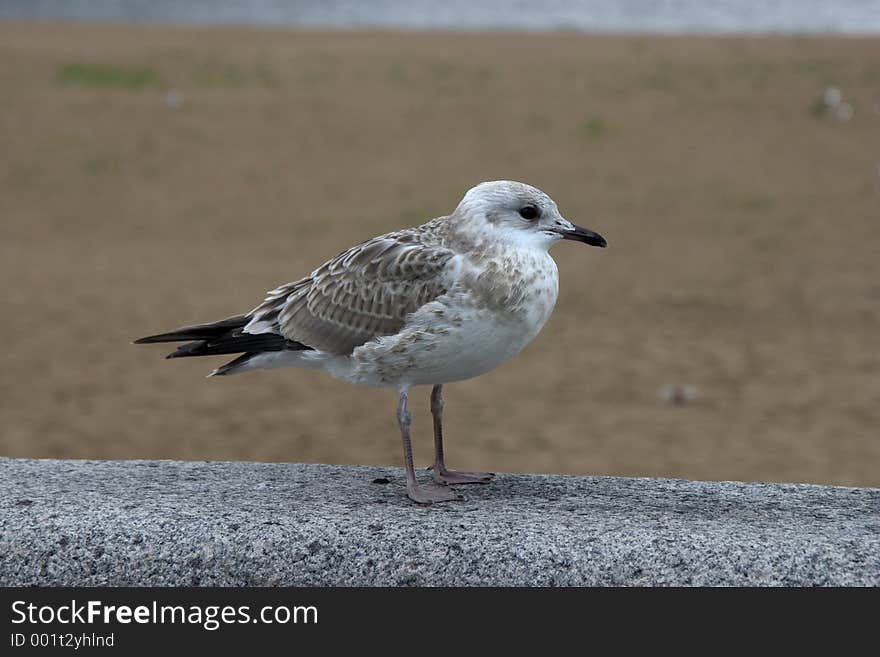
x=674 y=16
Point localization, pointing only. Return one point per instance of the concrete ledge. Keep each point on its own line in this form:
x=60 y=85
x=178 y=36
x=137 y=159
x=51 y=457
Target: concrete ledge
x=238 y=524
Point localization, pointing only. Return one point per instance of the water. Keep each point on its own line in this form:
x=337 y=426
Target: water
x=704 y=16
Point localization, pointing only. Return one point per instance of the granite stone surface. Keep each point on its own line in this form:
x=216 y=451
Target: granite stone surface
x=157 y=523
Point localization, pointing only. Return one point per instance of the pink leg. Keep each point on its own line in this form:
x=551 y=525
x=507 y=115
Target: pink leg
x=421 y=493
x=441 y=474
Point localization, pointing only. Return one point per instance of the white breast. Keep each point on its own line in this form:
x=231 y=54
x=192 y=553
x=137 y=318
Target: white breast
x=497 y=308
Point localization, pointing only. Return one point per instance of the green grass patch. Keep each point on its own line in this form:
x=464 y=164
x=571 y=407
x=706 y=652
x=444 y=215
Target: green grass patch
x=818 y=108
x=96 y=166
x=106 y=76
x=592 y=128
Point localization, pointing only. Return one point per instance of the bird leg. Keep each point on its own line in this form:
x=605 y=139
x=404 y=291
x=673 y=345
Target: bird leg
x=421 y=493
x=441 y=474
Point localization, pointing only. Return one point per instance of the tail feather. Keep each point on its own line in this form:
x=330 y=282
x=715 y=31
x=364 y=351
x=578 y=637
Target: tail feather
x=198 y=331
x=236 y=342
x=224 y=337
x=233 y=365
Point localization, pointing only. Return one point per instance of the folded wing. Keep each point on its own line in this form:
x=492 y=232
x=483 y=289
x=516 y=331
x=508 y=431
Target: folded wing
x=361 y=294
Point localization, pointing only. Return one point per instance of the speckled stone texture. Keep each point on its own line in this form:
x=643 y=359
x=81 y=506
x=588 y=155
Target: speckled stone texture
x=241 y=524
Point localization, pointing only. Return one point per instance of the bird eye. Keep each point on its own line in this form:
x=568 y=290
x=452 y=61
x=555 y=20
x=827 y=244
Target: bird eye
x=529 y=212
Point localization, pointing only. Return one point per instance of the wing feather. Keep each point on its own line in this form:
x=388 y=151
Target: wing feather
x=363 y=293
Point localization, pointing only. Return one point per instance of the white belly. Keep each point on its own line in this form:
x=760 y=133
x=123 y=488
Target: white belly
x=459 y=336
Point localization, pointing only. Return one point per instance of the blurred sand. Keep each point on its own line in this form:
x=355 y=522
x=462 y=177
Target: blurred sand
x=744 y=234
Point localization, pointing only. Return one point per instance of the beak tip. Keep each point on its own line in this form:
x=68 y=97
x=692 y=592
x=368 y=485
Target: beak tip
x=585 y=235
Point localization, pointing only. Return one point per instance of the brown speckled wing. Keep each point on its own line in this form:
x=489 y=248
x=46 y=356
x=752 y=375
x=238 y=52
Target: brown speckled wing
x=359 y=295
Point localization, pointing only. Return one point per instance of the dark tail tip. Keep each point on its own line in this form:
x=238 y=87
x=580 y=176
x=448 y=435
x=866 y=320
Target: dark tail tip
x=232 y=366
x=162 y=337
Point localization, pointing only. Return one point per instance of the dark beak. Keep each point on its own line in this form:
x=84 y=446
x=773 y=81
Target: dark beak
x=584 y=235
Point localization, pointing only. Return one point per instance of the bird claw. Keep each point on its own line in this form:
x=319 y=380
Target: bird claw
x=456 y=477
x=431 y=493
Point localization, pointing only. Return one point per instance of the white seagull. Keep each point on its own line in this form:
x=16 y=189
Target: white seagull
x=445 y=301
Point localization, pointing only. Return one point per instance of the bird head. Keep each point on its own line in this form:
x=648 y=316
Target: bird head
x=519 y=214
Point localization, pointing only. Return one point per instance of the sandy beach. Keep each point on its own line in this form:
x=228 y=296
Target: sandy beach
x=154 y=176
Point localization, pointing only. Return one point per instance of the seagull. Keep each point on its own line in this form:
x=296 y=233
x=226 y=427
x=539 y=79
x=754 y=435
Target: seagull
x=442 y=302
